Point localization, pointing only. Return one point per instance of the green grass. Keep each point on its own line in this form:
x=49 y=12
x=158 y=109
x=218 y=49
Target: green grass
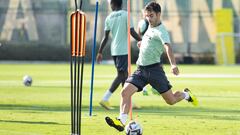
x=44 y=108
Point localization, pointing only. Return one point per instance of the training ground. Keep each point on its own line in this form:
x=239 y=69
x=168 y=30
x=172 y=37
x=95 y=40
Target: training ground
x=44 y=108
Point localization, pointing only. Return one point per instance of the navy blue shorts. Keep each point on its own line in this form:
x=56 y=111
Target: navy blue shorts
x=121 y=62
x=151 y=74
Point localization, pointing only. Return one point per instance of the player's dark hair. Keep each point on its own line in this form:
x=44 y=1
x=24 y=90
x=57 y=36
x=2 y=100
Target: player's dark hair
x=153 y=6
x=117 y=3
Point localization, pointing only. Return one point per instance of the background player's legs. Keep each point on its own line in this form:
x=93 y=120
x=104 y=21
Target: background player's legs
x=121 y=65
x=120 y=78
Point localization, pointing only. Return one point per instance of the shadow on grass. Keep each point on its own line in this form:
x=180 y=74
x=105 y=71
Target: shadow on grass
x=34 y=107
x=196 y=112
x=49 y=87
x=32 y=122
x=43 y=108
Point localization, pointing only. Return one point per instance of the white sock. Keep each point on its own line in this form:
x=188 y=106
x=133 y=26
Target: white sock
x=123 y=118
x=186 y=95
x=107 y=95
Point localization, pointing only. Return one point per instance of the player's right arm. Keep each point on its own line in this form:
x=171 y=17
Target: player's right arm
x=139 y=32
x=102 y=45
x=135 y=35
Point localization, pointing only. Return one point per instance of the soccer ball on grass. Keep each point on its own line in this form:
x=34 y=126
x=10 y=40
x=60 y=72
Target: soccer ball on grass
x=133 y=128
x=27 y=80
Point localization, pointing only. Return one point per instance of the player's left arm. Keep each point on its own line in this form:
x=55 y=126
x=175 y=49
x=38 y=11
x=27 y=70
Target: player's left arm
x=171 y=58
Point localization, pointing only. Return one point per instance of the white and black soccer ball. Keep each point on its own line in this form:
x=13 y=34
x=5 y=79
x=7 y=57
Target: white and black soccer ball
x=27 y=80
x=133 y=128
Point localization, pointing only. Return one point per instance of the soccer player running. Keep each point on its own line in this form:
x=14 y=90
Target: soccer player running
x=116 y=23
x=149 y=71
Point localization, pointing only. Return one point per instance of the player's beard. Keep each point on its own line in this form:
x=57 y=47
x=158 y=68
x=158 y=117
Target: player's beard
x=155 y=23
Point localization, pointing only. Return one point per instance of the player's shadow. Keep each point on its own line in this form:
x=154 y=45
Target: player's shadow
x=49 y=87
x=44 y=108
x=194 y=112
x=175 y=111
x=32 y=122
x=33 y=107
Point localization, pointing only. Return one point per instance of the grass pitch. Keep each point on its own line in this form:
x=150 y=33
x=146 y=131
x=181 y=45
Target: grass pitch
x=44 y=108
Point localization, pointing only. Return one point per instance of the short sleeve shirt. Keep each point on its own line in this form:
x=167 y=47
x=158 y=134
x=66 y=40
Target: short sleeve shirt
x=152 y=46
x=117 y=23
